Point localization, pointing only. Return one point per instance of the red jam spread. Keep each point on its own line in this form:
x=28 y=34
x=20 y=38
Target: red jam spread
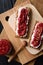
x=36 y=36
x=22 y=20
x=4 y=46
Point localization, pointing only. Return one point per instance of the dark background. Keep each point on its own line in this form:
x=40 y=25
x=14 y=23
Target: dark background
x=4 y=6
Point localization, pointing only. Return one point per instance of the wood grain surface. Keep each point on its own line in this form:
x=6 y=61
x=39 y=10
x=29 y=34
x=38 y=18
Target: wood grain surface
x=39 y=5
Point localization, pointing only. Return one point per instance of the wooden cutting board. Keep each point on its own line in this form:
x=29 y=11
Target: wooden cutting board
x=39 y=5
x=24 y=55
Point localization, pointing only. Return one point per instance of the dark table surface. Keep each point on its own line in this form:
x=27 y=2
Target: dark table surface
x=4 y=6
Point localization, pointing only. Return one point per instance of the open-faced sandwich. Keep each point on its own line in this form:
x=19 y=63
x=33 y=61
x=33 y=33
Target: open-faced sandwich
x=22 y=22
x=37 y=36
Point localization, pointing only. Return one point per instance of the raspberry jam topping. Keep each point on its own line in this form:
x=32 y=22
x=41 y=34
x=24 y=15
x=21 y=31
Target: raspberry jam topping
x=37 y=33
x=4 y=46
x=22 y=20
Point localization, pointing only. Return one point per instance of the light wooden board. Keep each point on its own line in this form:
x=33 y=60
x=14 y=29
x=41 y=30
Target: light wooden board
x=24 y=55
x=39 y=5
x=35 y=17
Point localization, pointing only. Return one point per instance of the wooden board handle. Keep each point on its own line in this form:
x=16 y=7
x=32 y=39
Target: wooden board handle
x=20 y=48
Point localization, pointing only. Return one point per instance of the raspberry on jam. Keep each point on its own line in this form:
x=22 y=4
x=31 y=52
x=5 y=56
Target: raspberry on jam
x=22 y=32
x=4 y=46
x=23 y=25
x=23 y=12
